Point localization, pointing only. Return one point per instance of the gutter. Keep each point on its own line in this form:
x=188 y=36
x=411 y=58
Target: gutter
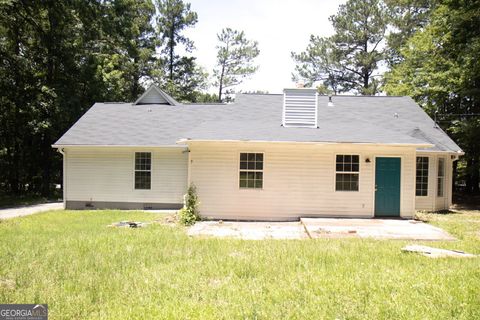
x=418 y=145
x=59 y=146
x=456 y=154
x=64 y=175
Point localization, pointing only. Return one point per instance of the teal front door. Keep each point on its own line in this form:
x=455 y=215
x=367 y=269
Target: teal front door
x=387 y=187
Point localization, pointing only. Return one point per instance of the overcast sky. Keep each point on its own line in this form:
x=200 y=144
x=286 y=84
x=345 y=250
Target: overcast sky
x=280 y=27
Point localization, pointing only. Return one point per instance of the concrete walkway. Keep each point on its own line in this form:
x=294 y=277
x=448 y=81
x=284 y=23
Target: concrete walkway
x=249 y=230
x=28 y=210
x=373 y=228
x=321 y=228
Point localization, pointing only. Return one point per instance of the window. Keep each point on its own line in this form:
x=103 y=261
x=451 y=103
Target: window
x=422 y=177
x=251 y=170
x=440 y=177
x=347 y=172
x=143 y=170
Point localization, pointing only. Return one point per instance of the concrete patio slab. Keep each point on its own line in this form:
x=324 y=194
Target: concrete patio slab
x=28 y=210
x=249 y=230
x=373 y=228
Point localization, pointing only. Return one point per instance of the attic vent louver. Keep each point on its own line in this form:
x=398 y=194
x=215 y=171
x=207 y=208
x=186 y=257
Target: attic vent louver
x=155 y=95
x=300 y=108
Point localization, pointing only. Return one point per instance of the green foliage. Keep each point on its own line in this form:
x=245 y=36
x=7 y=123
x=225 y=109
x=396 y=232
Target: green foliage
x=441 y=71
x=349 y=60
x=174 y=17
x=205 y=97
x=235 y=57
x=189 y=214
x=406 y=18
x=59 y=57
x=179 y=75
x=188 y=81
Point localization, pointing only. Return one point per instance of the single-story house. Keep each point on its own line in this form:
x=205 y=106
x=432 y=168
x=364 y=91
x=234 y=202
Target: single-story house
x=264 y=157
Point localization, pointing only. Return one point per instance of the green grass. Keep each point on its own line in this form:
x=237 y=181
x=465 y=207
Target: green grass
x=82 y=269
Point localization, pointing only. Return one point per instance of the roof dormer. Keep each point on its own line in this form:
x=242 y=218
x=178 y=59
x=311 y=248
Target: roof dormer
x=155 y=95
x=300 y=108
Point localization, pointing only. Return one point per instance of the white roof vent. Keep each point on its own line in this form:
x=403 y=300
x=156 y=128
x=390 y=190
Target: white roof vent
x=330 y=102
x=155 y=95
x=300 y=108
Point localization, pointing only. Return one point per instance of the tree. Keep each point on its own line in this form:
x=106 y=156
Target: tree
x=129 y=39
x=174 y=16
x=319 y=64
x=406 y=17
x=58 y=57
x=441 y=71
x=349 y=60
x=189 y=80
x=234 y=59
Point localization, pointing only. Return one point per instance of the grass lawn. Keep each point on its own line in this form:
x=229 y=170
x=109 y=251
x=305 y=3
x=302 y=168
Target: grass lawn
x=82 y=269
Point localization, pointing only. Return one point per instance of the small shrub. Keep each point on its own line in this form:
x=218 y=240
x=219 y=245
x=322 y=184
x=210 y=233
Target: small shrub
x=189 y=214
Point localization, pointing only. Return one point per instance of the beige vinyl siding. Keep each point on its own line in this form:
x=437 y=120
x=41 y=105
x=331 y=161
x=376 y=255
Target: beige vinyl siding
x=107 y=174
x=432 y=202
x=299 y=180
x=442 y=203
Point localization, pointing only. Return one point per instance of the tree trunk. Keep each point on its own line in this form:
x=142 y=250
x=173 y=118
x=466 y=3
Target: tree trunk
x=171 y=45
x=14 y=174
x=454 y=176
x=220 y=87
x=135 y=92
x=46 y=150
x=472 y=179
x=366 y=70
x=476 y=175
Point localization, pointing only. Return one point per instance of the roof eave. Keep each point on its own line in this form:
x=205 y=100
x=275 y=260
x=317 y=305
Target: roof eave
x=417 y=145
x=58 y=146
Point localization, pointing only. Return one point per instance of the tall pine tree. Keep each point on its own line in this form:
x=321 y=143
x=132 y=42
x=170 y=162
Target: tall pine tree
x=349 y=60
x=235 y=57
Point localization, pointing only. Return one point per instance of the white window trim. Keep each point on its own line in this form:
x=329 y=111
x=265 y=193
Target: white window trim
x=428 y=176
x=345 y=172
x=250 y=170
x=135 y=170
x=442 y=177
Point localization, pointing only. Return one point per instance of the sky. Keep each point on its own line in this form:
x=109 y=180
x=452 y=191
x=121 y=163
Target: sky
x=280 y=27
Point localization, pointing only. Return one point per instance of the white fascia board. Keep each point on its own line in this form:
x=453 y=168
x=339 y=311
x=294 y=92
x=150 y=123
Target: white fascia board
x=417 y=145
x=114 y=146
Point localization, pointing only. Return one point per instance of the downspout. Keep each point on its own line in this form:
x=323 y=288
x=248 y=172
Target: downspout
x=64 y=173
x=189 y=161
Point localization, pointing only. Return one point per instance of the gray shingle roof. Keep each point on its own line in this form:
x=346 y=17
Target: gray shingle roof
x=354 y=119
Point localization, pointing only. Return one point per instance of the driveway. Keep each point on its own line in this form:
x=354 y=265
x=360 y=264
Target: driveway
x=321 y=228
x=28 y=210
